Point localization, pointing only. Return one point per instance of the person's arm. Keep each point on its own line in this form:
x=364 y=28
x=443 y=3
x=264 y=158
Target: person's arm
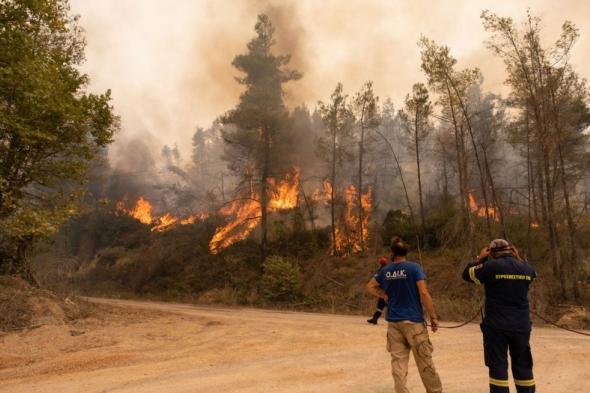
x=427 y=302
x=477 y=272
x=515 y=253
x=374 y=289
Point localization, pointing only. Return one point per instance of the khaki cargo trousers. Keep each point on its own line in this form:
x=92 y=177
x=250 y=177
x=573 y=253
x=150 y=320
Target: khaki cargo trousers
x=402 y=337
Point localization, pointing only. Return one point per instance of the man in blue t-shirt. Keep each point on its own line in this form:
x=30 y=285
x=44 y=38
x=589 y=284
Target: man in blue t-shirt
x=403 y=285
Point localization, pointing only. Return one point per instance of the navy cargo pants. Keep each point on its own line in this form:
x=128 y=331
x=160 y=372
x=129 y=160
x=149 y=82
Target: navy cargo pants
x=496 y=345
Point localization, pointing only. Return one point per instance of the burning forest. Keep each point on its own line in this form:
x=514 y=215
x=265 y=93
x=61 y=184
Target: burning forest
x=142 y=211
x=294 y=163
x=245 y=213
x=260 y=154
x=443 y=170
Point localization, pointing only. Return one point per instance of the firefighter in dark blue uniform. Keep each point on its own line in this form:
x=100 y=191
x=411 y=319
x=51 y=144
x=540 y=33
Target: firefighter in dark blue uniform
x=506 y=324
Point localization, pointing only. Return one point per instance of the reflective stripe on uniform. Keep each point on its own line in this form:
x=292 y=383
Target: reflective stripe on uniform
x=472 y=275
x=499 y=382
x=528 y=382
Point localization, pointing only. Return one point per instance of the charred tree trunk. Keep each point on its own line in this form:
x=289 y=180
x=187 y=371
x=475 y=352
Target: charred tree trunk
x=541 y=192
x=462 y=186
x=309 y=208
x=360 y=188
x=553 y=235
x=462 y=171
x=530 y=190
x=477 y=159
x=417 y=147
x=494 y=195
x=332 y=196
x=573 y=262
x=533 y=189
x=264 y=190
x=445 y=173
x=401 y=176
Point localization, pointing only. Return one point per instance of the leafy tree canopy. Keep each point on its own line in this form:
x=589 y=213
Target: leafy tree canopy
x=50 y=127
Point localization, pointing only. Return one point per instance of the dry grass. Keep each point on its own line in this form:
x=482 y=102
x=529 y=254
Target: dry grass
x=23 y=306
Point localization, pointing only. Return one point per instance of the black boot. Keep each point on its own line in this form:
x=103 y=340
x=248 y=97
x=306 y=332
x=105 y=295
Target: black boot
x=375 y=318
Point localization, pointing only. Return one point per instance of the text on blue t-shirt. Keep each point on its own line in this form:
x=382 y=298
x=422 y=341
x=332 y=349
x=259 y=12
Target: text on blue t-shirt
x=398 y=280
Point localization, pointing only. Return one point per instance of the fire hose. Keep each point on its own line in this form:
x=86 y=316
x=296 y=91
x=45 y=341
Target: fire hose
x=558 y=326
x=479 y=311
x=547 y=321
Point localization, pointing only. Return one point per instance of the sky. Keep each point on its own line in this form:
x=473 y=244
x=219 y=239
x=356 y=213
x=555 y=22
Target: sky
x=168 y=62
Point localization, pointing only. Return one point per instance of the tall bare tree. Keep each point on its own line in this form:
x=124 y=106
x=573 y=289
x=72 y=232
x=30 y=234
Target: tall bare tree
x=366 y=110
x=333 y=147
x=415 y=119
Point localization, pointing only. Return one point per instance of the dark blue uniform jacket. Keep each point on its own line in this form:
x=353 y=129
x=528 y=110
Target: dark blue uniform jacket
x=506 y=282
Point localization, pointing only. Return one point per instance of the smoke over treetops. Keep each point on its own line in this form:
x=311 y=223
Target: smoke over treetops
x=170 y=66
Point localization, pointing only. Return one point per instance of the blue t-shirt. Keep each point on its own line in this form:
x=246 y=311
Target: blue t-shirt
x=398 y=280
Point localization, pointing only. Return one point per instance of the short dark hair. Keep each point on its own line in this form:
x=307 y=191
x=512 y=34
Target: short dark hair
x=399 y=247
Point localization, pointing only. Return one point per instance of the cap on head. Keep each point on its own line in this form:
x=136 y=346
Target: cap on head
x=383 y=261
x=500 y=246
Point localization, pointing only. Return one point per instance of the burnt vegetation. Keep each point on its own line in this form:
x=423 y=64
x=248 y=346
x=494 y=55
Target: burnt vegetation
x=291 y=206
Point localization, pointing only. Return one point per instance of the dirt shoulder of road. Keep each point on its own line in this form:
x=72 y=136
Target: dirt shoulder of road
x=133 y=346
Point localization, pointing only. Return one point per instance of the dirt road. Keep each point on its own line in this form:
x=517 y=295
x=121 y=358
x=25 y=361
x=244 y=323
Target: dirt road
x=180 y=348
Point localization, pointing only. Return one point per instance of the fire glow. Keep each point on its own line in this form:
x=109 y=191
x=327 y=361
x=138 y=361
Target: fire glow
x=246 y=213
x=285 y=192
x=348 y=239
x=481 y=210
x=142 y=211
x=283 y=195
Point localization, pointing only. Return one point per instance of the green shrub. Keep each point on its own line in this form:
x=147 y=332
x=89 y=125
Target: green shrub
x=397 y=223
x=281 y=280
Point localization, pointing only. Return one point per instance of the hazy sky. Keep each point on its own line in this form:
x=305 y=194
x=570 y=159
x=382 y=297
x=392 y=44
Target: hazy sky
x=168 y=62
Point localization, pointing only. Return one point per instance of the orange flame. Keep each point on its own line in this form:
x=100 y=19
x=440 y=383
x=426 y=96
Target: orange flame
x=366 y=206
x=283 y=195
x=143 y=212
x=472 y=204
x=165 y=222
x=348 y=239
x=327 y=191
x=192 y=218
x=285 y=192
x=324 y=195
x=535 y=225
x=247 y=212
x=481 y=211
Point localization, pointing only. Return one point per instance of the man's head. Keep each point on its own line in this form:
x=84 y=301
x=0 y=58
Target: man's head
x=500 y=247
x=399 y=248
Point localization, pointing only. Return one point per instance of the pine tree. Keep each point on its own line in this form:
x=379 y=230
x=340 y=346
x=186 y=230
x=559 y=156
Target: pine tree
x=256 y=144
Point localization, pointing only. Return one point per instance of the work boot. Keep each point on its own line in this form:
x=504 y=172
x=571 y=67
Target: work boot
x=375 y=318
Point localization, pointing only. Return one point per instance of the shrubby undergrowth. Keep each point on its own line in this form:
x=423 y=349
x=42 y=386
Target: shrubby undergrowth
x=117 y=256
